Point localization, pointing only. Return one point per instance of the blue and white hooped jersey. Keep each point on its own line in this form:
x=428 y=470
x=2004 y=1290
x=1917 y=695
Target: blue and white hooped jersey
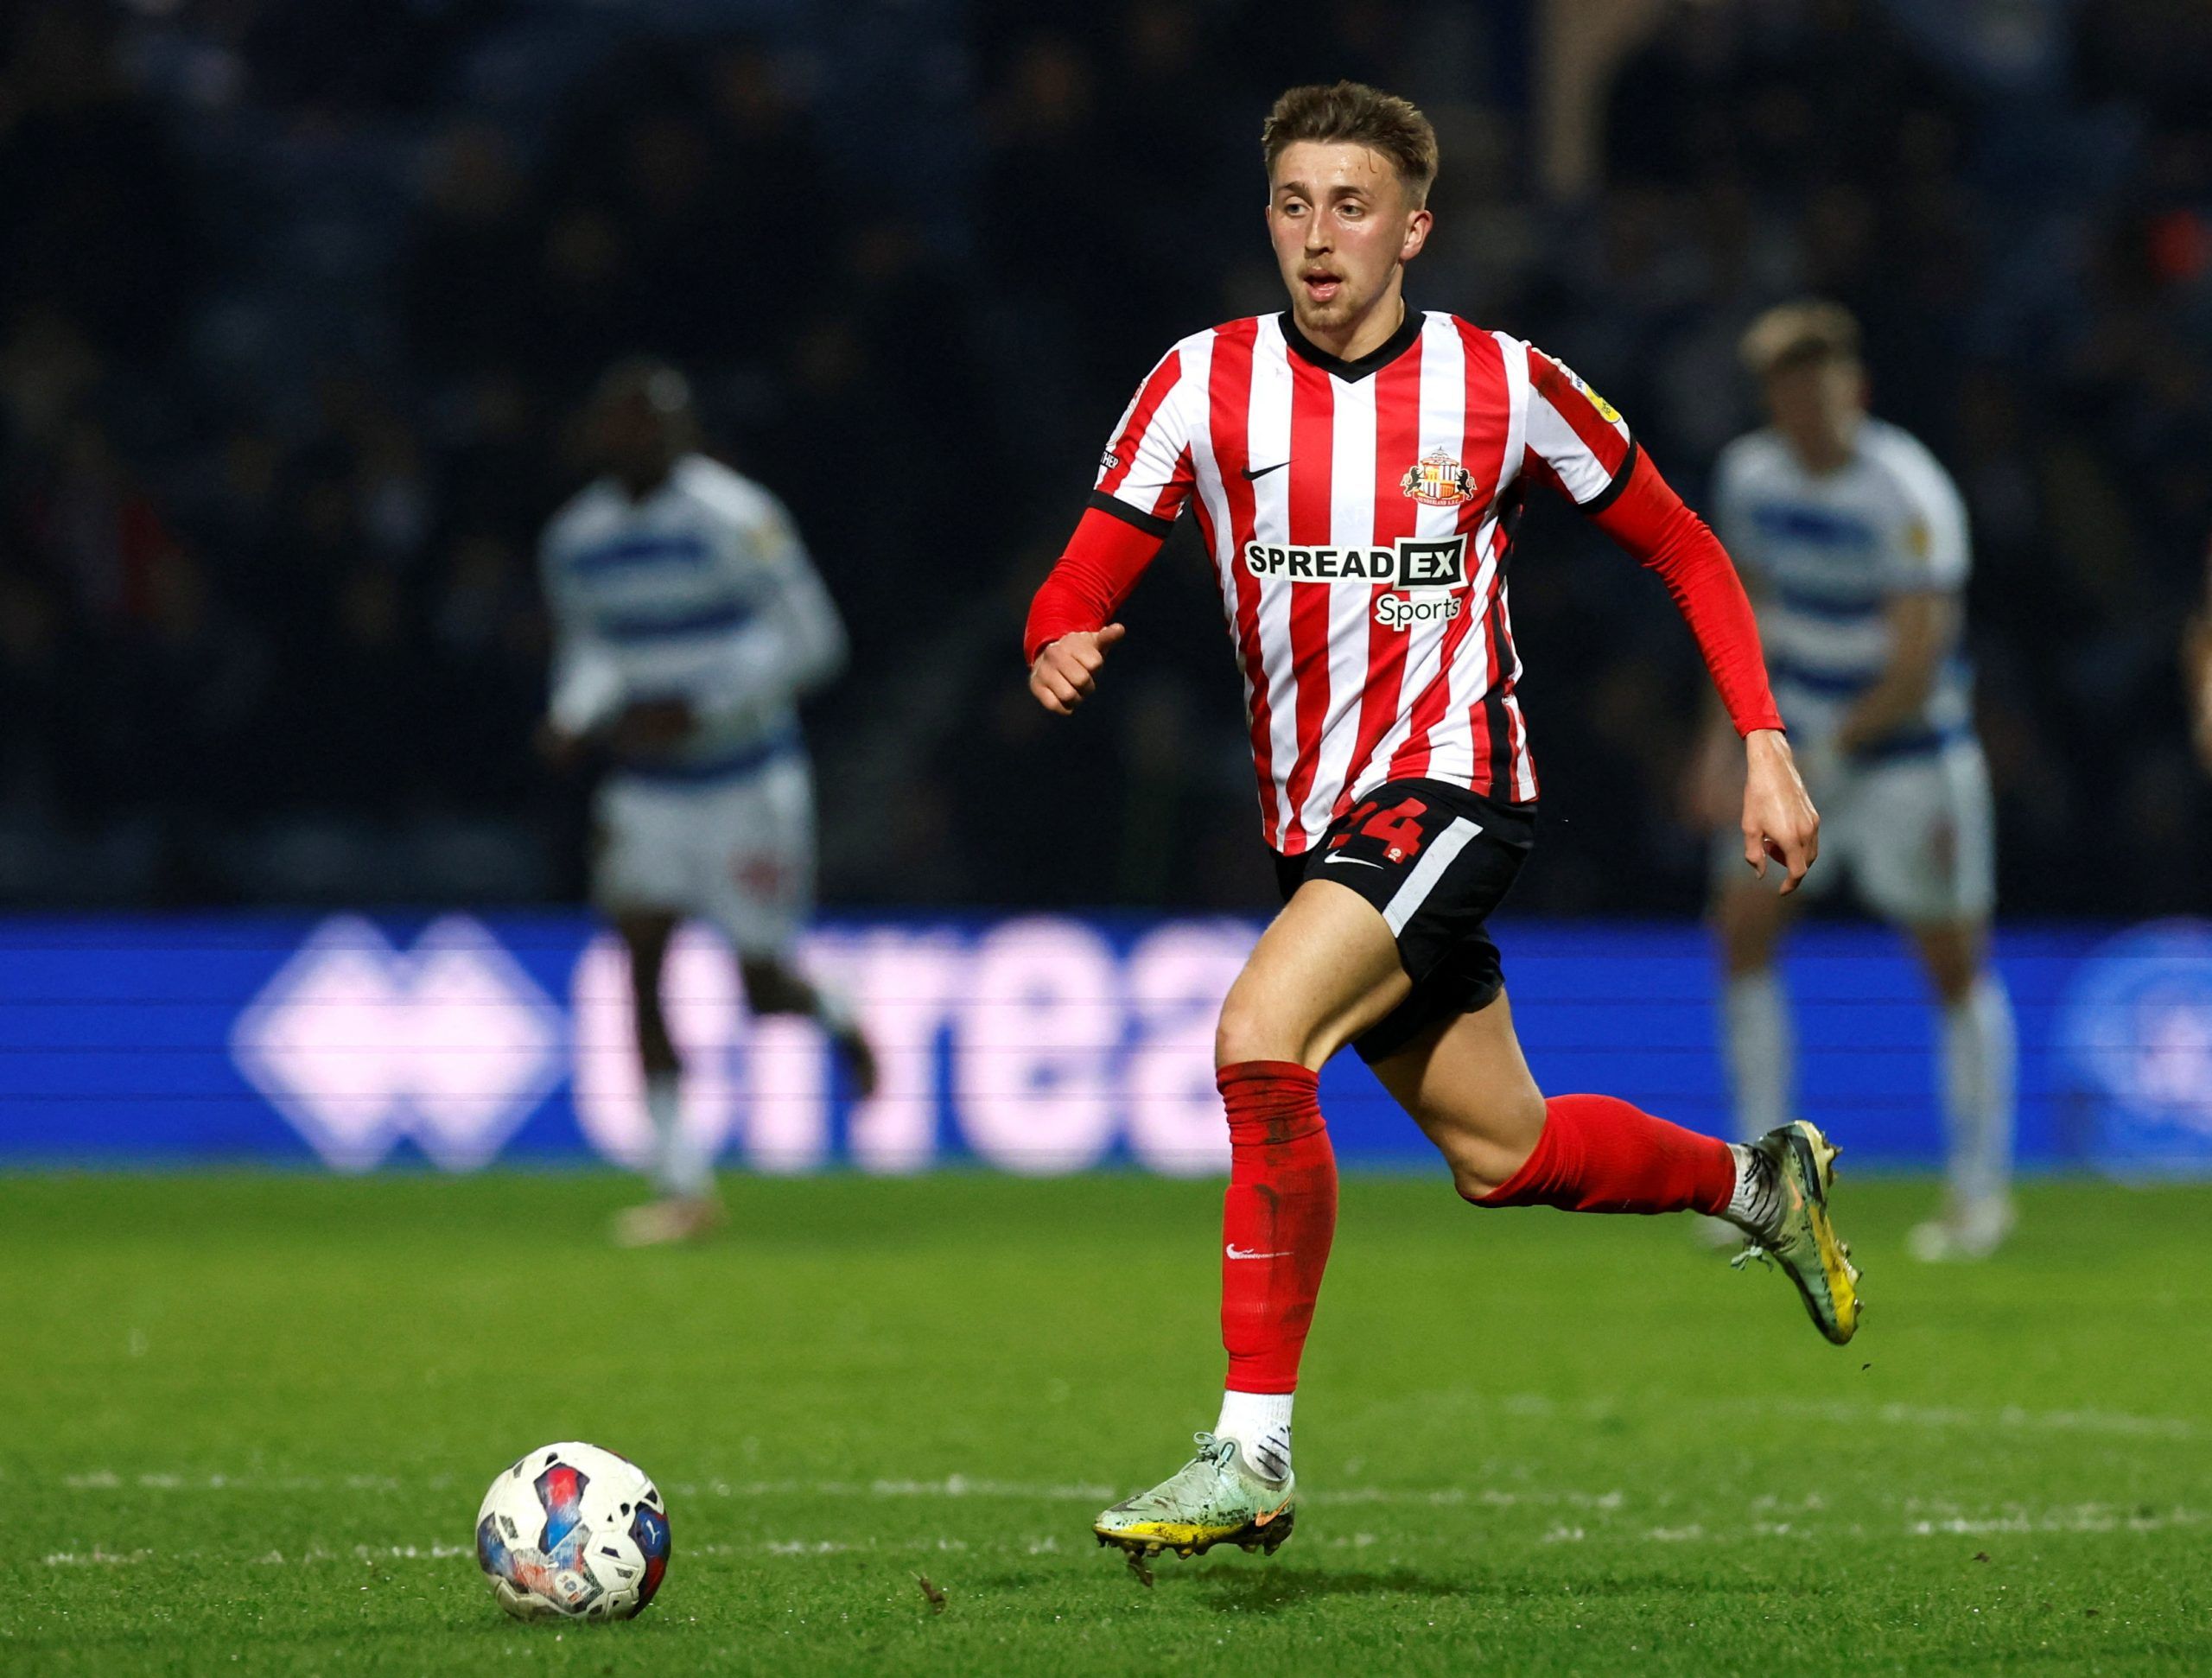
x=1824 y=555
x=700 y=592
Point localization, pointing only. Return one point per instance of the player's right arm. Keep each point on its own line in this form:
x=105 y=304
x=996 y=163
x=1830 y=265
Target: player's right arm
x=586 y=688
x=1578 y=442
x=1142 y=484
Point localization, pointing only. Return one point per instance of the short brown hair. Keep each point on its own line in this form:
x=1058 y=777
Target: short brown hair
x=1800 y=334
x=1352 y=112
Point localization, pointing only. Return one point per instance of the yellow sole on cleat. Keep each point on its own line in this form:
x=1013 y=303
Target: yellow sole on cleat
x=1191 y=1541
x=1836 y=1268
x=1843 y=1284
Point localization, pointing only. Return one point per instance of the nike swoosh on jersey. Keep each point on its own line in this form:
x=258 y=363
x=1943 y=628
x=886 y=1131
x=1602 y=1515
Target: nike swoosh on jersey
x=1236 y=1252
x=1360 y=862
x=1253 y=473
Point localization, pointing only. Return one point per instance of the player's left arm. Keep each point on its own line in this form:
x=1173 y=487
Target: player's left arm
x=1923 y=628
x=1578 y=442
x=1923 y=571
x=1712 y=792
x=794 y=643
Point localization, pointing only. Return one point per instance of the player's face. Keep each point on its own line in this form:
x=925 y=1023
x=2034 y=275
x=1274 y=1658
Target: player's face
x=1817 y=405
x=635 y=440
x=1342 y=224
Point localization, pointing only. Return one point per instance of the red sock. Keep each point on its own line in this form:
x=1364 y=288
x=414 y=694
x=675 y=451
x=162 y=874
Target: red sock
x=1276 y=1220
x=1599 y=1154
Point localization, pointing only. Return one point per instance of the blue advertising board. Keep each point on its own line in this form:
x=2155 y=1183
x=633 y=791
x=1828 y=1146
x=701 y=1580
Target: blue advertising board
x=1031 y=1043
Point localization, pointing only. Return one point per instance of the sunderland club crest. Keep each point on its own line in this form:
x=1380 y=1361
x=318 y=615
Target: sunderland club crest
x=1438 y=480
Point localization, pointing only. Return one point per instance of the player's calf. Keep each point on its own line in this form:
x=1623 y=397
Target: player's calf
x=1469 y=1088
x=771 y=986
x=1598 y=1154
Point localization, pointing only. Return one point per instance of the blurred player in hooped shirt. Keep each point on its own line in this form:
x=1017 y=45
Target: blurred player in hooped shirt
x=688 y=624
x=1357 y=469
x=1854 y=542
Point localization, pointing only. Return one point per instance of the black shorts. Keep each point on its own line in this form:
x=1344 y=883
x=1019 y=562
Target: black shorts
x=1435 y=861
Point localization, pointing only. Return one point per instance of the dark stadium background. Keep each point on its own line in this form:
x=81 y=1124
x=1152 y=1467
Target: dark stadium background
x=296 y=301
x=318 y=1082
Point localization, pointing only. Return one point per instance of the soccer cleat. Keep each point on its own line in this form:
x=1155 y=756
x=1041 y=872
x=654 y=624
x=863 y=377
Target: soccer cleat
x=1966 y=1231
x=1216 y=1497
x=1805 y=1244
x=665 y=1223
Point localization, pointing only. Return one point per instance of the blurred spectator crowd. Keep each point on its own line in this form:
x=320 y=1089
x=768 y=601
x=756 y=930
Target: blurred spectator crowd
x=297 y=302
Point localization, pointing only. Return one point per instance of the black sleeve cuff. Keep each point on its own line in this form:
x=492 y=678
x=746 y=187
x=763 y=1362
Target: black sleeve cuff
x=1150 y=524
x=1612 y=493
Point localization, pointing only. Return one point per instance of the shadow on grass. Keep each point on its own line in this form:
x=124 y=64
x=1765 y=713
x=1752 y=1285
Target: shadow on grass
x=1253 y=1589
x=1278 y=1588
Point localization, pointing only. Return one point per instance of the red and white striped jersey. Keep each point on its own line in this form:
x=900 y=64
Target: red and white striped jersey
x=1360 y=515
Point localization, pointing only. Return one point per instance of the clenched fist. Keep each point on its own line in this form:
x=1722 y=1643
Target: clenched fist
x=1067 y=670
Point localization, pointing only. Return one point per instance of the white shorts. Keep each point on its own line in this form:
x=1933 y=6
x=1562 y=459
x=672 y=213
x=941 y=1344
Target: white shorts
x=1915 y=836
x=737 y=853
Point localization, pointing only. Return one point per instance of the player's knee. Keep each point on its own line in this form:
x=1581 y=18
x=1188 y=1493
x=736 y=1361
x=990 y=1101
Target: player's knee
x=1245 y=1033
x=1741 y=964
x=657 y=1049
x=1952 y=971
x=1251 y=1029
x=772 y=987
x=1745 y=938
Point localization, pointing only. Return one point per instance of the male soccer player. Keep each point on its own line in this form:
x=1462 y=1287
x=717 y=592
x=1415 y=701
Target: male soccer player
x=1855 y=544
x=689 y=622
x=1358 y=470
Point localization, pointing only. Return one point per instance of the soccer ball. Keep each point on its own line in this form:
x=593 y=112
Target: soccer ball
x=574 y=1532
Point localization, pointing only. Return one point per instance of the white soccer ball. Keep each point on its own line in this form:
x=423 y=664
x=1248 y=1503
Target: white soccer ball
x=574 y=1532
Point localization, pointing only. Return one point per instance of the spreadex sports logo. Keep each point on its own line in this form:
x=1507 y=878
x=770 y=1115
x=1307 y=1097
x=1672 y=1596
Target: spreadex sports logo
x=1433 y=565
x=1411 y=562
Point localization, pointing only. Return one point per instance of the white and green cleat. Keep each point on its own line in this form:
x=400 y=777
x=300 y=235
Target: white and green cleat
x=1804 y=1242
x=1216 y=1497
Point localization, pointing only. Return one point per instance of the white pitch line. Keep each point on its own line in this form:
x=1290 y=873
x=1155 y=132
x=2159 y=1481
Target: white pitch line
x=2112 y=1423
x=2010 y=1418
x=2120 y=1423
x=957 y=1487
x=2085 y=1517
x=2092 y=1519
x=106 y=1479
x=952 y=1488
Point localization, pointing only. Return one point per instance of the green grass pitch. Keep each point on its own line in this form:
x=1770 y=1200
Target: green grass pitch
x=244 y=1422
